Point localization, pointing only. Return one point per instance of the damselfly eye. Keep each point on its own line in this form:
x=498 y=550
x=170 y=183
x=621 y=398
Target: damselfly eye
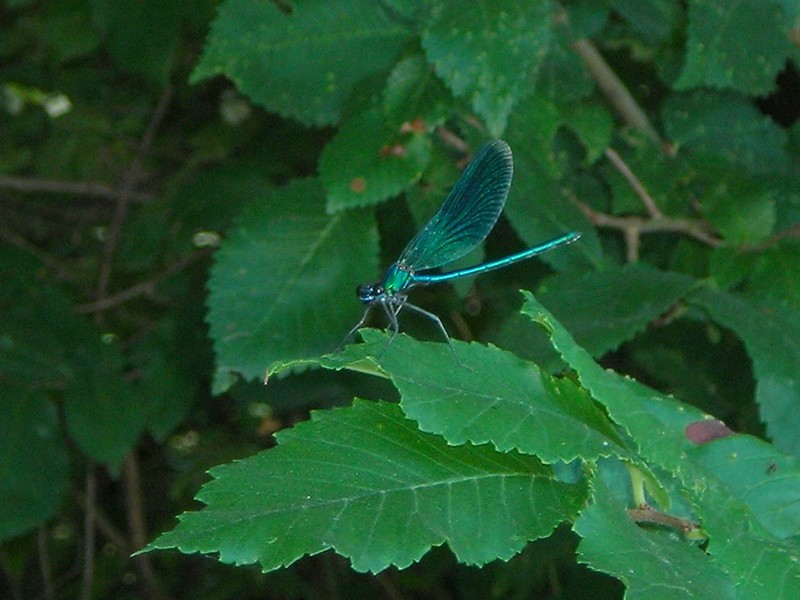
x=367 y=292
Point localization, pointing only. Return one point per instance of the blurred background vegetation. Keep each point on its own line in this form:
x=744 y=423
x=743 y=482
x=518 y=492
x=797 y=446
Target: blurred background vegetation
x=126 y=160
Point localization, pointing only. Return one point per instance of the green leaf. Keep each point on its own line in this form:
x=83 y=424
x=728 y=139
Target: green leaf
x=45 y=345
x=629 y=298
x=736 y=204
x=653 y=565
x=368 y=162
x=726 y=125
x=756 y=472
x=102 y=412
x=366 y=482
x=655 y=21
x=761 y=566
x=491 y=55
x=414 y=92
x=302 y=64
x=282 y=284
x=33 y=461
x=654 y=421
x=593 y=124
x=770 y=331
x=143 y=36
x=536 y=207
x=777 y=272
x=486 y=394
x=734 y=45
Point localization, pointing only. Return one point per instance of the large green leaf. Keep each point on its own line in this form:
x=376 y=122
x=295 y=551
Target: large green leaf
x=606 y=308
x=758 y=474
x=485 y=394
x=735 y=45
x=726 y=125
x=368 y=161
x=366 y=482
x=282 y=284
x=770 y=331
x=491 y=55
x=759 y=562
x=302 y=64
x=33 y=460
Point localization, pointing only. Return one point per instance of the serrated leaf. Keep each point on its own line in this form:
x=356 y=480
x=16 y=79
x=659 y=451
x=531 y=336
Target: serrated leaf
x=414 y=92
x=266 y=53
x=368 y=162
x=656 y=422
x=756 y=472
x=652 y=565
x=771 y=333
x=761 y=566
x=654 y=20
x=629 y=298
x=33 y=461
x=734 y=45
x=726 y=125
x=282 y=283
x=776 y=272
x=490 y=395
x=490 y=56
x=366 y=482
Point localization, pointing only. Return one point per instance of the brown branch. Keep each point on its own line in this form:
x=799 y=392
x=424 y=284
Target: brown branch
x=88 y=526
x=144 y=288
x=615 y=91
x=44 y=563
x=650 y=515
x=104 y=525
x=634 y=182
x=790 y=232
x=632 y=227
x=129 y=181
x=78 y=188
x=136 y=525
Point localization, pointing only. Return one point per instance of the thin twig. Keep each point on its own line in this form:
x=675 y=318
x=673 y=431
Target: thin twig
x=633 y=226
x=634 y=182
x=44 y=563
x=88 y=527
x=78 y=188
x=144 y=288
x=615 y=90
x=136 y=525
x=650 y=515
x=105 y=525
x=789 y=232
x=129 y=182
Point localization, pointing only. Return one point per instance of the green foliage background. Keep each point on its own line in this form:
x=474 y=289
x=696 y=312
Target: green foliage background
x=189 y=194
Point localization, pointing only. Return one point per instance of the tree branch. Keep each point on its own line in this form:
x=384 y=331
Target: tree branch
x=633 y=181
x=633 y=226
x=55 y=186
x=615 y=91
x=129 y=182
x=144 y=288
